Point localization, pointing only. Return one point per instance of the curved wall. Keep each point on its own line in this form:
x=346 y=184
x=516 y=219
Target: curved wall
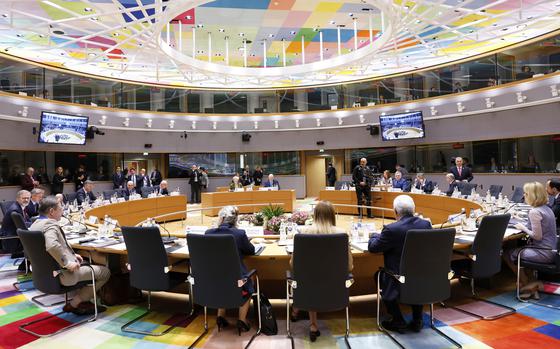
x=536 y=113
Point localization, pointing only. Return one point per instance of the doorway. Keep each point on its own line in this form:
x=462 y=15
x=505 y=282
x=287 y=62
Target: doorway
x=316 y=169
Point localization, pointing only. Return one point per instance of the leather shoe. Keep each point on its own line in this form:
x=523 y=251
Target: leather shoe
x=415 y=325
x=91 y=306
x=313 y=335
x=394 y=326
x=68 y=308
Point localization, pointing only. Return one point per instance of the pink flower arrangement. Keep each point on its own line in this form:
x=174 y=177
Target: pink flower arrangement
x=299 y=217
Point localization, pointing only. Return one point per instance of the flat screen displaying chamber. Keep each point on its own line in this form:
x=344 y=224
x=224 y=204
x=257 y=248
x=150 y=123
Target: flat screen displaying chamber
x=402 y=126
x=63 y=129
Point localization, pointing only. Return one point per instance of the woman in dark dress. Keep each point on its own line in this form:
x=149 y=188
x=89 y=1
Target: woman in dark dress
x=227 y=224
x=58 y=181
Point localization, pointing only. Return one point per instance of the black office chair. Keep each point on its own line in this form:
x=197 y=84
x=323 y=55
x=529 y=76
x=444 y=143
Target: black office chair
x=149 y=270
x=4 y=205
x=108 y=194
x=19 y=222
x=338 y=184
x=552 y=268
x=146 y=191
x=317 y=283
x=424 y=273
x=517 y=196
x=70 y=197
x=466 y=188
x=495 y=190
x=484 y=259
x=45 y=274
x=216 y=276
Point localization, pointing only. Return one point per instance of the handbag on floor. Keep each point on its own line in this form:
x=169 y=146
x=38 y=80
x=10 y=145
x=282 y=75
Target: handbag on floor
x=269 y=326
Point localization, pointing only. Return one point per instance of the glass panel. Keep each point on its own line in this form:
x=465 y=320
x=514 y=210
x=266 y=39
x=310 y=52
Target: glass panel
x=539 y=154
x=486 y=155
x=230 y=102
x=11 y=167
x=278 y=163
x=438 y=157
x=98 y=166
x=217 y=164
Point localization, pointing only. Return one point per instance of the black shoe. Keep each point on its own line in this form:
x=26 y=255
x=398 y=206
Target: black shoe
x=313 y=335
x=221 y=322
x=394 y=326
x=242 y=327
x=416 y=325
x=21 y=266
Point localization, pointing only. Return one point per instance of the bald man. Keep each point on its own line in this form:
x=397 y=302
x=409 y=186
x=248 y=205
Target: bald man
x=362 y=182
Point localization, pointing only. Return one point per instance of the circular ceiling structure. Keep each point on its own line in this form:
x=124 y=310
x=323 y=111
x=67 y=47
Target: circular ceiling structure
x=261 y=44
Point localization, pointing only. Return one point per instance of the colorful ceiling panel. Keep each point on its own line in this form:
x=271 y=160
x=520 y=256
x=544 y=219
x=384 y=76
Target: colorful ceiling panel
x=264 y=43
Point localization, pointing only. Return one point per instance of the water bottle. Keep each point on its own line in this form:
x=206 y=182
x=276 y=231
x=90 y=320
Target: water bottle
x=500 y=200
x=282 y=231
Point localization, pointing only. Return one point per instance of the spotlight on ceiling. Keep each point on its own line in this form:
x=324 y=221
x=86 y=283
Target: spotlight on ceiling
x=460 y=107
x=275 y=123
x=362 y=118
x=214 y=125
x=318 y=122
x=235 y=125
x=489 y=102
x=340 y=121
x=520 y=97
x=297 y=123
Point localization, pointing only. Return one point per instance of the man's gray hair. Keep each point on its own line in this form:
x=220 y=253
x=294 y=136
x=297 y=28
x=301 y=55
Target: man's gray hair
x=36 y=191
x=450 y=176
x=48 y=203
x=420 y=175
x=22 y=192
x=88 y=182
x=404 y=205
x=228 y=215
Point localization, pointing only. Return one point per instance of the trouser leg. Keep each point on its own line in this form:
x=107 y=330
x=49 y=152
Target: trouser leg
x=394 y=309
x=416 y=312
x=367 y=193
x=359 y=198
x=101 y=275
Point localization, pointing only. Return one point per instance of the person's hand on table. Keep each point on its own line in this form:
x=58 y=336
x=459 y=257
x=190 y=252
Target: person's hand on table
x=521 y=227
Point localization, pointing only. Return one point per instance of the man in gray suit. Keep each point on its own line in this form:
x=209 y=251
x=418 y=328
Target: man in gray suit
x=50 y=212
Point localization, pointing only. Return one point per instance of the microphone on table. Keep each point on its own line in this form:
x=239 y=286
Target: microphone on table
x=463 y=211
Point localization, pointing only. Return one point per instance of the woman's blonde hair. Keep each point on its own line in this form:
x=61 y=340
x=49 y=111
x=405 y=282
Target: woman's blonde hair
x=535 y=194
x=388 y=173
x=324 y=217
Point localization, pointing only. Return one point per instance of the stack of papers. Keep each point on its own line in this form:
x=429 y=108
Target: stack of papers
x=360 y=246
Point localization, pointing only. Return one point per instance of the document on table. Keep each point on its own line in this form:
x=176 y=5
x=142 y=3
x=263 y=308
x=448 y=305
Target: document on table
x=360 y=246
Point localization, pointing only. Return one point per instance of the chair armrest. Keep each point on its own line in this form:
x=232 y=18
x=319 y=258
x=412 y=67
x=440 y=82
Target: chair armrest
x=251 y=273
x=399 y=278
x=465 y=254
x=536 y=248
x=349 y=280
x=246 y=277
x=289 y=275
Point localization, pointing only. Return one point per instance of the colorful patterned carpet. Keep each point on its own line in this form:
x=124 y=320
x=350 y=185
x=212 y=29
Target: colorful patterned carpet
x=531 y=327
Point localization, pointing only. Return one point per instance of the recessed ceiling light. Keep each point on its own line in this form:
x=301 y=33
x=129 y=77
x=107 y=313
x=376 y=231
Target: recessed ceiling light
x=188 y=17
x=58 y=32
x=88 y=9
x=270 y=35
x=242 y=34
x=221 y=30
x=293 y=32
x=200 y=25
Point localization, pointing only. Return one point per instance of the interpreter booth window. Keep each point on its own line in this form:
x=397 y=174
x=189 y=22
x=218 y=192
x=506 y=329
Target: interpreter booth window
x=147 y=161
x=486 y=156
x=539 y=154
x=380 y=158
x=21 y=78
x=97 y=166
x=542 y=57
x=228 y=103
x=278 y=163
x=438 y=158
x=217 y=164
x=12 y=167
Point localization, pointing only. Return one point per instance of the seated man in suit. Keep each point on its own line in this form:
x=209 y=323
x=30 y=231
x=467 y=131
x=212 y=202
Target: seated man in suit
x=271 y=182
x=8 y=229
x=553 y=189
x=450 y=178
x=163 y=188
x=85 y=193
x=461 y=173
x=130 y=190
x=33 y=208
x=421 y=183
x=400 y=182
x=56 y=245
x=391 y=242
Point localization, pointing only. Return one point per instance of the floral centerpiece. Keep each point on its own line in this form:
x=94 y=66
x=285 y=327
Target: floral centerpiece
x=275 y=222
x=299 y=217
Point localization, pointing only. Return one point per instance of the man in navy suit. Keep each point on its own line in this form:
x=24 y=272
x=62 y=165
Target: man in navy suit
x=8 y=229
x=271 y=182
x=391 y=243
x=450 y=178
x=118 y=178
x=421 y=183
x=461 y=173
x=400 y=182
x=129 y=190
x=85 y=192
x=32 y=209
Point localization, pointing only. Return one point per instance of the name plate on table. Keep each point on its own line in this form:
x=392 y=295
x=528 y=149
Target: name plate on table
x=92 y=220
x=265 y=188
x=396 y=190
x=121 y=200
x=196 y=229
x=239 y=189
x=360 y=246
x=329 y=188
x=174 y=193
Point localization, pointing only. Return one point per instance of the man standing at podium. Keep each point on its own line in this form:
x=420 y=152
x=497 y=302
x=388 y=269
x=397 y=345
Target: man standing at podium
x=362 y=181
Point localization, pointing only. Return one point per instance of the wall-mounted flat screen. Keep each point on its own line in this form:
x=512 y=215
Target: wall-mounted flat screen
x=63 y=129
x=402 y=126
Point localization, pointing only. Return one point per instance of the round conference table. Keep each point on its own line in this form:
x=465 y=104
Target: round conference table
x=273 y=262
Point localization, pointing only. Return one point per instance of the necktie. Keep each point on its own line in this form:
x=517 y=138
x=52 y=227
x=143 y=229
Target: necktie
x=459 y=171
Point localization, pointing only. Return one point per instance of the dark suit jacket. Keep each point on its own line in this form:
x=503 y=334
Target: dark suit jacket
x=27 y=182
x=257 y=177
x=118 y=180
x=32 y=209
x=358 y=175
x=195 y=174
x=137 y=182
x=428 y=186
x=127 y=193
x=402 y=184
x=164 y=192
x=244 y=246
x=274 y=183
x=145 y=179
x=156 y=177
x=556 y=209
x=452 y=187
x=81 y=196
x=57 y=186
x=466 y=173
x=331 y=174
x=391 y=243
x=9 y=229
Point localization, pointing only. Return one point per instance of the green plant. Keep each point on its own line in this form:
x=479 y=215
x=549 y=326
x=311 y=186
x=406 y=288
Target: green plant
x=272 y=211
x=257 y=219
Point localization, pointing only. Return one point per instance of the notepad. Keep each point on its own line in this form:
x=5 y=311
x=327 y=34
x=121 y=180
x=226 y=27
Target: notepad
x=259 y=249
x=360 y=246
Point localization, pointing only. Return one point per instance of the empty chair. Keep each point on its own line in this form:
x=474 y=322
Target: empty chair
x=338 y=184
x=4 y=205
x=146 y=191
x=19 y=222
x=216 y=277
x=424 y=273
x=466 y=188
x=45 y=278
x=70 y=197
x=517 y=196
x=495 y=190
x=149 y=270
x=484 y=258
x=317 y=283
x=108 y=194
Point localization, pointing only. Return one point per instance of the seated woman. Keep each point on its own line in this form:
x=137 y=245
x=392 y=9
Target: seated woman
x=235 y=184
x=386 y=178
x=227 y=224
x=541 y=229
x=324 y=222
